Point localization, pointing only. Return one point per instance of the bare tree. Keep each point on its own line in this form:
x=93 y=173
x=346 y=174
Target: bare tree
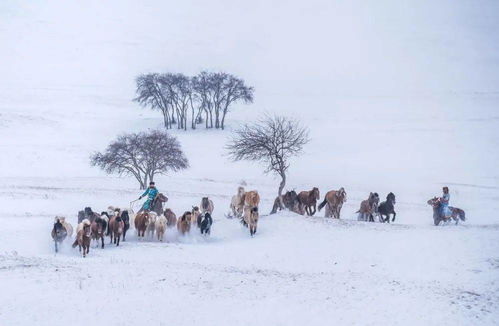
x=272 y=141
x=234 y=90
x=142 y=155
x=151 y=92
x=218 y=91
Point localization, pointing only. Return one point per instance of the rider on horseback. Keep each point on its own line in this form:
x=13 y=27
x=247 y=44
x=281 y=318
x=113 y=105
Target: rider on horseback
x=151 y=194
x=444 y=203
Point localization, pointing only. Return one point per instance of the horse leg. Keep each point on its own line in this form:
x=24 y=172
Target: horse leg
x=394 y=214
x=55 y=244
x=102 y=241
x=315 y=209
x=118 y=241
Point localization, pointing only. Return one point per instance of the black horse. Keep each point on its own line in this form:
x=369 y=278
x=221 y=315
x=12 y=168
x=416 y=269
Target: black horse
x=126 y=220
x=204 y=223
x=87 y=213
x=290 y=201
x=59 y=233
x=387 y=208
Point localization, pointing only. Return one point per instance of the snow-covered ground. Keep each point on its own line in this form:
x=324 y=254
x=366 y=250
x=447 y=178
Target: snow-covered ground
x=390 y=106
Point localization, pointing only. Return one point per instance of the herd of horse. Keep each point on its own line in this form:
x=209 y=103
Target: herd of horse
x=115 y=222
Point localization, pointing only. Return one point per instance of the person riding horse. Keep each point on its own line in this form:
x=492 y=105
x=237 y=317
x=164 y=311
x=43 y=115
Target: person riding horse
x=151 y=194
x=444 y=203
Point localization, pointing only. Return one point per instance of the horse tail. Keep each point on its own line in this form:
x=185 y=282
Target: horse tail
x=324 y=202
x=461 y=214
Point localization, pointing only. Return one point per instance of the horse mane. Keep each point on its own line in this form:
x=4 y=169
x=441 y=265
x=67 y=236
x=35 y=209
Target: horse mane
x=124 y=215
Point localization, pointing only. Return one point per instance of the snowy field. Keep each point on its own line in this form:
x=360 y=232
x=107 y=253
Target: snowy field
x=390 y=120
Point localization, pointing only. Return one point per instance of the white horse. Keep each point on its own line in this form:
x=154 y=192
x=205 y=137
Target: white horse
x=152 y=224
x=160 y=226
x=237 y=203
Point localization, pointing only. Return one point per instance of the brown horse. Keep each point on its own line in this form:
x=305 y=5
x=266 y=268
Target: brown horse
x=83 y=237
x=368 y=208
x=116 y=227
x=334 y=200
x=184 y=223
x=98 y=227
x=289 y=200
x=171 y=218
x=308 y=200
x=141 y=222
x=251 y=199
x=456 y=213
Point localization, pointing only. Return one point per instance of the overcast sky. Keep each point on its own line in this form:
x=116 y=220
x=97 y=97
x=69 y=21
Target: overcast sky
x=281 y=47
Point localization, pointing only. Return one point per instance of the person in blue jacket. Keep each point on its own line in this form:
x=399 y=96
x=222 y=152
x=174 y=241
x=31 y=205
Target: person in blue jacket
x=444 y=203
x=151 y=194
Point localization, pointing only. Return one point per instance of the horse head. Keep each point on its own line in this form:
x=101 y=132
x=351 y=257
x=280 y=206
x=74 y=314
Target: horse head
x=100 y=224
x=86 y=230
x=342 y=194
x=316 y=193
x=186 y=217
x=162 y=198
x=391 y=198
x=125 y=217
x=434 y=202
x=88 y=211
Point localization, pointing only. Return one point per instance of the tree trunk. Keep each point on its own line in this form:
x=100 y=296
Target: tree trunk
x=217 y=118
x=223 y=120
x=282 y=184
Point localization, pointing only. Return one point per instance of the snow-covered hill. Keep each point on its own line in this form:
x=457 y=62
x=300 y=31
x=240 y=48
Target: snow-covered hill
x=398 y=97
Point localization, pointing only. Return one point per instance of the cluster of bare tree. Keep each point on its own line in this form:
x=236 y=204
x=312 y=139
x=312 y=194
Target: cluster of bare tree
x=142 y=155
x=207 y=96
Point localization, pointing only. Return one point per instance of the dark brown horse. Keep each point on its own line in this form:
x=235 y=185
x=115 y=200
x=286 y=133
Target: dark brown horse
x=99 y=227
x=456 y=213
x=88 y=214
x=289 y=201
x=308 y=201
x=334 y=200
x=157 y=204
x=171 y=218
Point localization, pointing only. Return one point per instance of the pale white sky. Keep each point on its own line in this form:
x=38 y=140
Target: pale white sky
x=281 y=47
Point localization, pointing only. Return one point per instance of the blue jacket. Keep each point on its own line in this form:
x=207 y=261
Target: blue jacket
x=150 y=193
